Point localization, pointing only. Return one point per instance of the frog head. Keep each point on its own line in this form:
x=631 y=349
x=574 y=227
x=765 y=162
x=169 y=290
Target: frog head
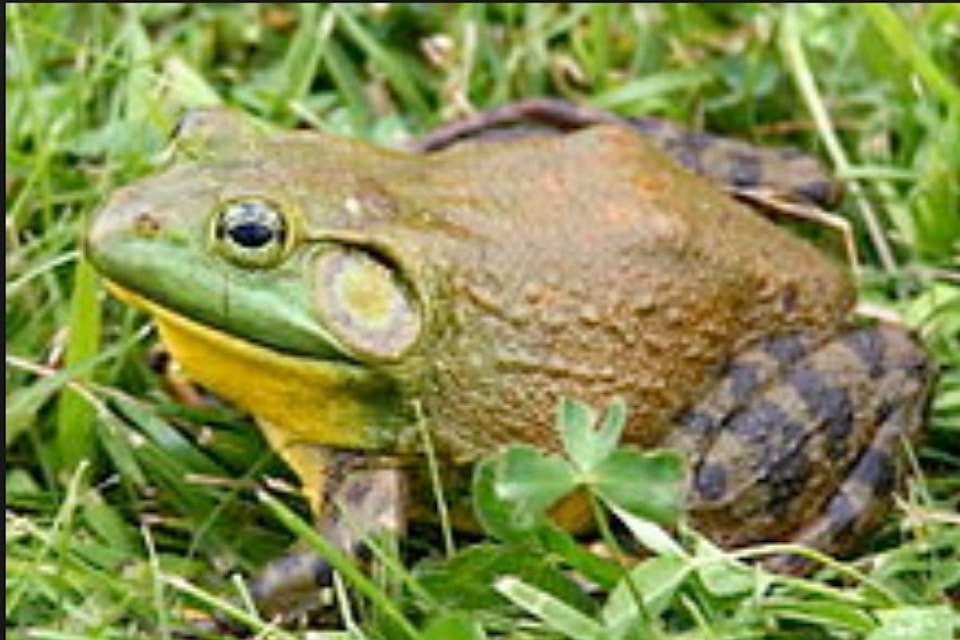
x=261 y=283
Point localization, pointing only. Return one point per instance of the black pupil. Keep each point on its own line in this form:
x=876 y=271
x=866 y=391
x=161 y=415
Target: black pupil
x=250 y=234
x=252 y=224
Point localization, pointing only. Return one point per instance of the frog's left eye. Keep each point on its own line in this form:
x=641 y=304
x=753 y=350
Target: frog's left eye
x=252 y=233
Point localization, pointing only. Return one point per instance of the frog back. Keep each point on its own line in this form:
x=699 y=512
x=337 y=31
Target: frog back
x=590 y=265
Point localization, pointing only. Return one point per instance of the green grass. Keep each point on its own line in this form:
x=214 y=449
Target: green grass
x=128 y=514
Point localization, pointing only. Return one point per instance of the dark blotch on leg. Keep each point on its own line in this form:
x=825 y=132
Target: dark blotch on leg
x=868 y=345
x=875 y=470
x=743 y=379
x=820 y=192
x=356 y=491
x=789 y=153
x=885 y=409
x=766 y=429
x=647 y=125
x=825 y=403
x=711 y=481
x=786 y=480
x=841 y=509
x=745 y=171
x=699 y=140
x=810 y=386
x=688 y=157
x=788 y=564
x=698 y=423
x=786 y=349
x=841 y=516
x=756 y=421
x=686 y=147
x=322 y=572
x=918 y=367
x=839 y=428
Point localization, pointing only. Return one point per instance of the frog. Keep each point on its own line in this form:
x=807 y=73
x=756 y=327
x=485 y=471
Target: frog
x=353 y=297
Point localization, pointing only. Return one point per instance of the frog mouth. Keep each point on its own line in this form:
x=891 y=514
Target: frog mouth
x=167 y=317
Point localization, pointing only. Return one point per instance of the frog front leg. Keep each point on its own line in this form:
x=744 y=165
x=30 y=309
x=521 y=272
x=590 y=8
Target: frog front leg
x=800 y=440
x=352 y=495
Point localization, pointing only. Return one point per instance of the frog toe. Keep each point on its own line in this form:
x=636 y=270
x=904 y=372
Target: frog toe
x=365 y=496
x=291 y=587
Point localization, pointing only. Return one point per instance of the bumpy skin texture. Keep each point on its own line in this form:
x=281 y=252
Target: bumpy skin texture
x=587 y=264
x=640 y=281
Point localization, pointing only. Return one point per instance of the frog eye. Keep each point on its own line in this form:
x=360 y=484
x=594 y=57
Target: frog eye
x=364 y=302
x=252 y=233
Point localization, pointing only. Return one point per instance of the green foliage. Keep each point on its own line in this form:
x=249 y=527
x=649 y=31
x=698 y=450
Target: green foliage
x=128 y=513
x=517 y=488
x=535 y=573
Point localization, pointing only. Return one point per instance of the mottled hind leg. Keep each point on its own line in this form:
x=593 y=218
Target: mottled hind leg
x=741 y=167
x=860 y=503
x=800 y=439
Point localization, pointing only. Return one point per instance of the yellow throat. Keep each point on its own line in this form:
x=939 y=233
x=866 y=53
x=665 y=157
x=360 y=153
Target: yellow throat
x=307 y=401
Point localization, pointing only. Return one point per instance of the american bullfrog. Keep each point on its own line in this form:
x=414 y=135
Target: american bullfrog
x=340 y=292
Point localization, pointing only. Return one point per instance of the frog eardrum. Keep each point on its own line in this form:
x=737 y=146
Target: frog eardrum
x=363 y=301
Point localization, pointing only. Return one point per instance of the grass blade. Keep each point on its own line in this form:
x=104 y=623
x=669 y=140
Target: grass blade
x=75 y=417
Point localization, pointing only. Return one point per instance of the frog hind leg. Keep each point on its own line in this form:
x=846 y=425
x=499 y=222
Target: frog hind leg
x=352 y=496
x=860 y=503
x=739 y=166
x=799 y=440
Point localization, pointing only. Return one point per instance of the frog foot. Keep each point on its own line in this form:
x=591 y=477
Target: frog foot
x=363 y=499
x=800 y=439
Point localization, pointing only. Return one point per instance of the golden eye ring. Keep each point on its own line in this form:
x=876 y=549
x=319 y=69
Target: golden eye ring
x=251 y=232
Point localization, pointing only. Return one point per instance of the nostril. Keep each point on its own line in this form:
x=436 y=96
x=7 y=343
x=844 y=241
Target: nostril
x=146 y=225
